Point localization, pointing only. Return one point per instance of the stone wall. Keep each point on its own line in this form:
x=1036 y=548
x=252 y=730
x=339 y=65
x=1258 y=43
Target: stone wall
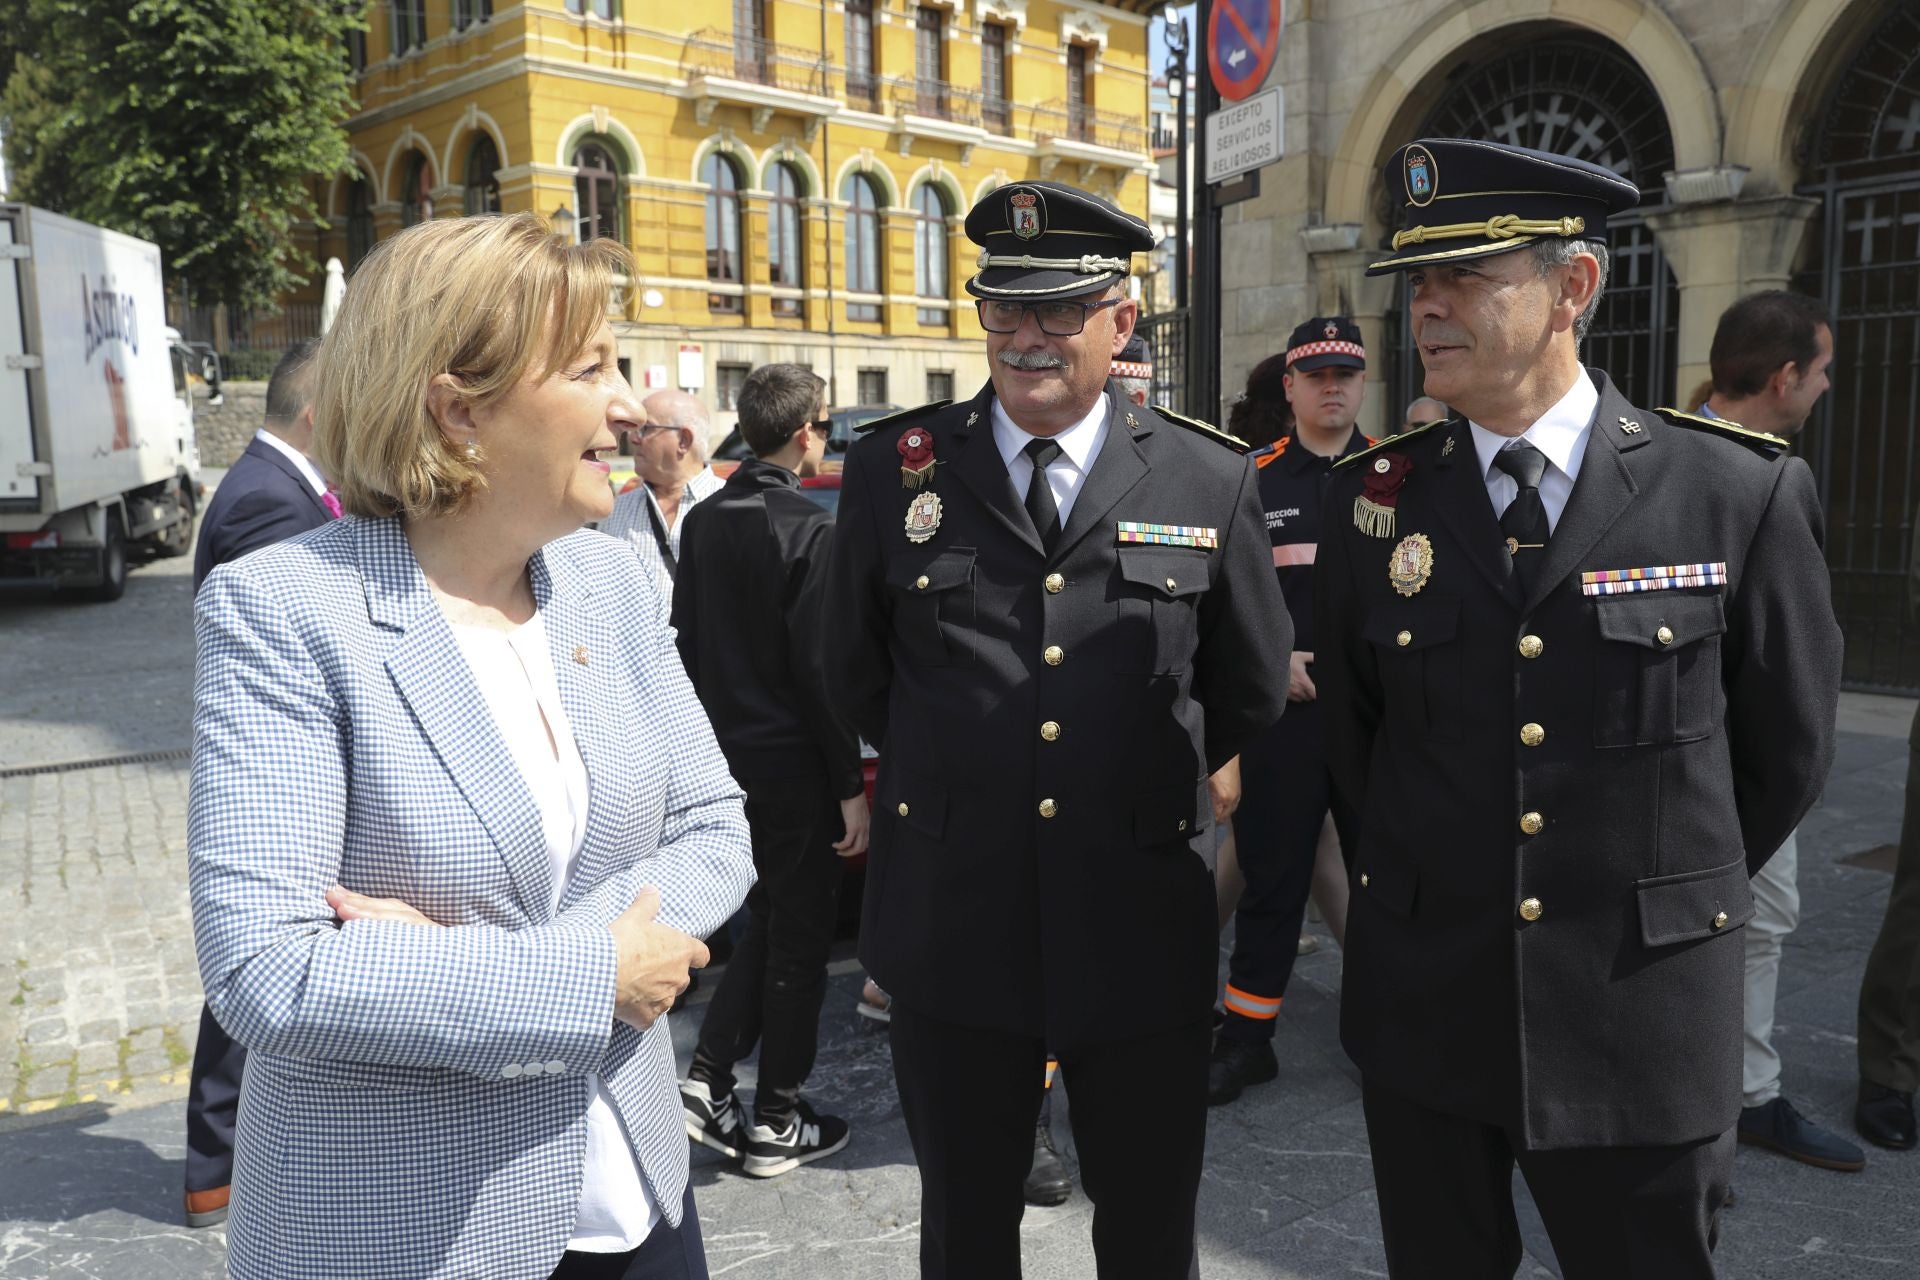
x=224 y=429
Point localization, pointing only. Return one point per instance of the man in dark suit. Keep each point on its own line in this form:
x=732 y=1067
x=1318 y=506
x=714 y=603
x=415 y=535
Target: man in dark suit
x=272 y=492
x=1579 y=667
x=1054 y=613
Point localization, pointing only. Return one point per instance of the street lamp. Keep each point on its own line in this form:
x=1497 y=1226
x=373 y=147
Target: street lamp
x=564 y=223
x=1177 y=52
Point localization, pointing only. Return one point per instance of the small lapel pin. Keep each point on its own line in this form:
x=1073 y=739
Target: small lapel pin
x=1133 y=422
x=973 y=417
x=1630 y=427
x=580 y=654
x=1447 y=448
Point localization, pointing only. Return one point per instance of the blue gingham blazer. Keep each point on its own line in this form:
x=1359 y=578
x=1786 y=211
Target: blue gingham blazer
x=415 y=1098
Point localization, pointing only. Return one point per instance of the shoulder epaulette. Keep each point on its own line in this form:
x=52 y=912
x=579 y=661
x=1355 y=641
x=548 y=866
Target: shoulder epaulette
x=1267 y=455
x=1759 y=441
x=1211 y=432
x=893 y=419
x=1390 y=441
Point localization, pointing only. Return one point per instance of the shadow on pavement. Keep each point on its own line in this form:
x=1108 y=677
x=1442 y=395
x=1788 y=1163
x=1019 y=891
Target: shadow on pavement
x=62 y=1171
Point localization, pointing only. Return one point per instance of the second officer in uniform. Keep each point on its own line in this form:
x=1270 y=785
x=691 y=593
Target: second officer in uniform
x=1055 y=614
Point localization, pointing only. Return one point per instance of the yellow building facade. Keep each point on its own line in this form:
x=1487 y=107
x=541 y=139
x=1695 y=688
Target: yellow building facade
x=791 y=175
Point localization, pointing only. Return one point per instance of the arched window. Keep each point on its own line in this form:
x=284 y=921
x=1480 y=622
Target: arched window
x=596 y=189
x=483 y=189
x=930 y=276
x=416 y=198
x=723 y=228
x=359 y=221
x=862 y=243
x=786 y=246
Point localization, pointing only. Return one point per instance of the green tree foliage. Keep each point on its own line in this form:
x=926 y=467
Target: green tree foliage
x=197 y=124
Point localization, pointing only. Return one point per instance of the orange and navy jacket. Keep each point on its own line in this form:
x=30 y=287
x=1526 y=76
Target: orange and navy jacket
x=1293 y=482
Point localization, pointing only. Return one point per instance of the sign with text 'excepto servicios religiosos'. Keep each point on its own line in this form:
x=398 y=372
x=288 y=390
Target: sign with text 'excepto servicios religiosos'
x=1243 y=42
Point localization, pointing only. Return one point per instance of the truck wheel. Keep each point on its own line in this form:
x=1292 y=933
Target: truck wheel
x=177 y=538
x=113 y=565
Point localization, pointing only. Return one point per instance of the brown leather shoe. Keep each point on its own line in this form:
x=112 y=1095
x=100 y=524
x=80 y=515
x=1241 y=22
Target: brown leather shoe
x=208 y=1208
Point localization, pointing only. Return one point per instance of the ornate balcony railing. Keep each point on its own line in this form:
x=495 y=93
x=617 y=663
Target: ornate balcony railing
x=1076 y=123
x=714 y=52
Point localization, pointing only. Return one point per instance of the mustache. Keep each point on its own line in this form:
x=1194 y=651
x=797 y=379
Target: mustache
x=1031 y=360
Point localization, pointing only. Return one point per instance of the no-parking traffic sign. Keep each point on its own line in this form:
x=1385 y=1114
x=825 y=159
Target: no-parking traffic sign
x=1243 y=39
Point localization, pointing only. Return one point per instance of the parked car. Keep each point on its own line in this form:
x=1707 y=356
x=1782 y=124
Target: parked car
x=845 y=422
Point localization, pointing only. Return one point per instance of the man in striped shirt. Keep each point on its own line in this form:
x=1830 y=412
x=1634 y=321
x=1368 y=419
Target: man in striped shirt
x=670 y=457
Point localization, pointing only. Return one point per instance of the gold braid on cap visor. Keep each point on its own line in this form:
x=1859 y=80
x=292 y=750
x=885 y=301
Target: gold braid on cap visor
x=1501 y=226
x=1086 y=264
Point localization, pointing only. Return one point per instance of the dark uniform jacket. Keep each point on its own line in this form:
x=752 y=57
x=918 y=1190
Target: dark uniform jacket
x=1293 y=492
x=1154 y=664
x=1681 y=734
x=746 y=606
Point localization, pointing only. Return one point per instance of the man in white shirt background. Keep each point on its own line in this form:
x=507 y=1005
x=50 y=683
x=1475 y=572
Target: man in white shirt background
x=670 y=457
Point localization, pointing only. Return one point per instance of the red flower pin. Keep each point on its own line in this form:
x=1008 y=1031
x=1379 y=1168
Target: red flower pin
x=916 y=456
x=1380 y=493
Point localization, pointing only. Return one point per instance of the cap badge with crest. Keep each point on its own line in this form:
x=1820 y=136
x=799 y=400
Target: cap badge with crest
x=1026 y=213
x=1423 y=176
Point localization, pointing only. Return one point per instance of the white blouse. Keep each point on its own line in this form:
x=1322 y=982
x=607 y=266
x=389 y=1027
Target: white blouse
x=516 y=677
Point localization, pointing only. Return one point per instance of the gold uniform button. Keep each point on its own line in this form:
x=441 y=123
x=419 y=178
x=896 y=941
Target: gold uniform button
x=1530 y=909
x=922 y=582
x=1404 y=639
x=1531 y=646
x=1050 y=730
x=1532 y=734
x=1054 y=655
x=1048 y=808
x=1055 y=584
x=1664 y=635
x=903 y=808
x=1720 y=920
x=1172 y=585
x=1532 y=823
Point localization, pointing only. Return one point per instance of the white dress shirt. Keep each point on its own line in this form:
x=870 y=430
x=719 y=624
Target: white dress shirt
x=1561 y=434
x=633 y=523
x=300 y=460
x=1079 y=446
x=515 y=673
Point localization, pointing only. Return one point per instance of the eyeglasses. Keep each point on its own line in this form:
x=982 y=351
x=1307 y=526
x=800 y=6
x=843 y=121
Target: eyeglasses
x=1056 y=319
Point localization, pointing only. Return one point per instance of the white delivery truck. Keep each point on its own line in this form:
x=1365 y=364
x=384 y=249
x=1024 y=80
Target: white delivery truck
x=98 y=459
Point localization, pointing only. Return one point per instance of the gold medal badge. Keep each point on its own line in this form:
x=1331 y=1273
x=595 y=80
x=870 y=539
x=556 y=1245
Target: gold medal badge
x=1411 y=564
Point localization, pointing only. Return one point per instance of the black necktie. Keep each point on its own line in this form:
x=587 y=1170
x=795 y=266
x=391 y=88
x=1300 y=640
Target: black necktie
x=1525 y=519
x=1041 y=508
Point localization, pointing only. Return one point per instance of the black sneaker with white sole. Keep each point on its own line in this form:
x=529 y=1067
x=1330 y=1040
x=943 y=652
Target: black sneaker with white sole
x=713 y=1122
x=807 y=1136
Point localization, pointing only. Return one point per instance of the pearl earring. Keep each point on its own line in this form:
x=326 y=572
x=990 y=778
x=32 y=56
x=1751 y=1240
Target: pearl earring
x=472 y=450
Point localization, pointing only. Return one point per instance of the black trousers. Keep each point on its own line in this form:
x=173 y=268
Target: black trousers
x=1139 y=1117
x=1445 y=1185
x=775 y=982
x=1890 y=989
x=213 y=1104
x=666 y=1254
x=1286 y=794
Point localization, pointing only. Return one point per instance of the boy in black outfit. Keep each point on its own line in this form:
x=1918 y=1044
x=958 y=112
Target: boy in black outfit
x=746 y=606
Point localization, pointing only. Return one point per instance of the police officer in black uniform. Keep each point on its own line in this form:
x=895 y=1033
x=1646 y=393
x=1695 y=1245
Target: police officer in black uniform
x=1286 y=791
x=1054 y=613
x=1579 y=667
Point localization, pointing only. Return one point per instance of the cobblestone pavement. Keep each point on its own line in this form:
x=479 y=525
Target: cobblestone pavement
x=99 y=996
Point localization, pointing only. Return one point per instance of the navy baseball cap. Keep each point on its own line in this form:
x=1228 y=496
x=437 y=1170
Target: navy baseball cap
x=1324 y=341
x=1041 y=240
x=1461 y=199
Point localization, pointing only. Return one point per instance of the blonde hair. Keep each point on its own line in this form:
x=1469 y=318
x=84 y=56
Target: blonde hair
x=485 y=299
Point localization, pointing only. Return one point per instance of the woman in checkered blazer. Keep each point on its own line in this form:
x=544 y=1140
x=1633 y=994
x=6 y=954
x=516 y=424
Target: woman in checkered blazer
x=457 y=819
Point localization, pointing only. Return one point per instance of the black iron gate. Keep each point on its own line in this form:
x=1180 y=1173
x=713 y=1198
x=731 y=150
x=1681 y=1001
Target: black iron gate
x=1166 y=336
x=1863 y=441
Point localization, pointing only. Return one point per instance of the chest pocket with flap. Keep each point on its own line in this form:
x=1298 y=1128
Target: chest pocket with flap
x=1415 y=643
x=1159 y=592
x=1657 y=673
x=933 y=606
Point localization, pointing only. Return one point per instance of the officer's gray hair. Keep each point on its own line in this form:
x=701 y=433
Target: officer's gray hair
x=1557 y=251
